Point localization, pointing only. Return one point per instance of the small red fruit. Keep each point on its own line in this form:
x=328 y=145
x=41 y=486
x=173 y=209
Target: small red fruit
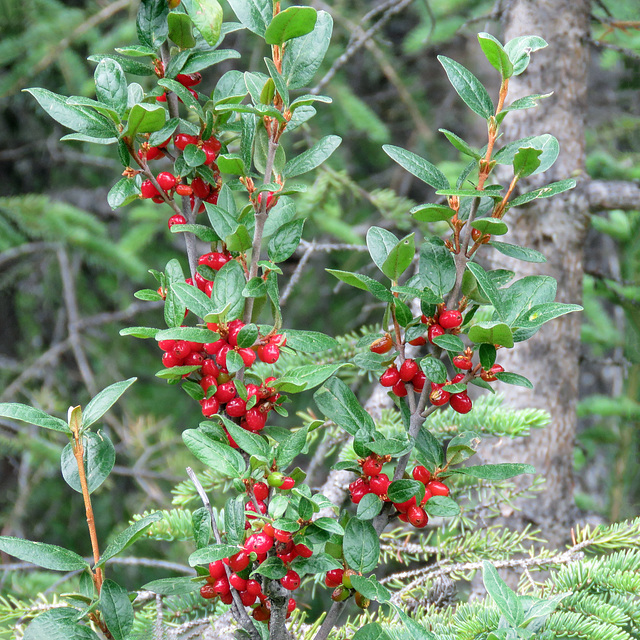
x=438 y=488
x=382 y=345
x=399 y=389
x=418 y=381
x=379 y=484
x=462 y=362
x=417 y=517
x=166 y=180
x=390 y=376
x=201 y=189
x=148 y=190
x=268 y=353
x=210 y=406
x=333 y=578
x=435 y=330
x=255 y=419
x=189 y=80
x=461 y=402
x=421 y=474
x=238 y=583
x=490 y=376
x=170 y=359
x=184 y=190
x=207 y=591
x=178 y=218
x=217 y=570
x=287 y=483
x=183 y=139
x=236 y=408
x=303 y=551
x=239 y=562
x=408 y=369
x=418 y=342
x=438 y=395
x=258 y=542
x=253 y=587
x=450 y=319
x=371 y=467
x=291 y=580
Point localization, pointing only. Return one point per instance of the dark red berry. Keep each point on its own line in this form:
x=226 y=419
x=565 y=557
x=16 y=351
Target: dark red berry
x=417 y=517
x=333 y=578
x=435 y=330
x=291 y=605
x=291 y=581
x=419 y=381
x=201 y=189
x=390 y=376
x=408 y=369
x=207 y=591
x=226 y=392
x=418 y=342
x=260 y=489
x=438 y=488
x=461 y=402
x=247 y=598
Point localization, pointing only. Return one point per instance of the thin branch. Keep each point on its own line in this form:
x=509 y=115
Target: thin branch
x=613 y=194
x=295 y=276
x=628 y=53
x=26 y=249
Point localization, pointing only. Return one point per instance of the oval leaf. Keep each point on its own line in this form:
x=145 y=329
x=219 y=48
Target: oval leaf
x=99 y=458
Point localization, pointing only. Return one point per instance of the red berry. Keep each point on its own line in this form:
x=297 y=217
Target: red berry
x=333 y=578
x=236 y=408
x=239 y=562
x=459 y=377
x=209 y=368
x=210 y=154
x=287 y=483
x=359 y=493
x=270 y=197
x=268 y=353
x=247 y=599
x=167 y=345
x=238 y=583
x=261 y=614
x=221 y=586
x=176 y=219
x=212 y=348
x=371 y=467
x=382 y=345
x=217 y=570
x=461 y=402
x=490 y=376
x=403 y=507
x=408 y=369
x=421 y=474
x=379 y=484
x=438 y=488
x=148 y=190
x=303 y=551
x=418 y=342
x=291 y=581
x=189 y=80
x=260 y=489
x=201 y=189
x=210 y=406
x=291 y=605
x=390 y=376
x=184 y=190
x=207 y=591
x=462 y=362
x=248 y=356
x=166 y=180
x=212 y=143
x=450 y=319
x=399 y=389
x=226 y=392
x=255 y=419
x=438 y=395
x=183 y=139
x=170 y=359
x=194 y=359
x=419 y=381
x=258 y=542
x=253 y=587
x=417 y=517
x=435 y=330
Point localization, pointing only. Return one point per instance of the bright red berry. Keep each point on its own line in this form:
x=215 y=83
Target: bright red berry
x=382 y=345
x=287 y=483
x=490 y=376
x=166 y=180
x=183 y=139
x=253 y=587
x=258 y=542
x=438 y=395
x=421 y=474
x=247 y=598
x=239 y=562
x=333 y=578
x=184 y=190
x=434 y=331
x=210 y=406
x=178 y=218
x=291 y=605
x=148 y=190
x=201 y=189
x=399 y=389
x=417 y=517
x=390 y=376
x=255 y=419
x=291 y=581
x=217 y=570
x=260 y=489
x=418 y=342
x=371 y=467
x=408 y=369
x=418 y=381
x=226 y=392
x=462 y=362
x=190 y=79
x=450 y=319
x=379 y=484
x=461 y=402
x=238 y=583
x=170 y=359
x=268 y=353
x=303 y=551
x=236 y=408
x=438 y=488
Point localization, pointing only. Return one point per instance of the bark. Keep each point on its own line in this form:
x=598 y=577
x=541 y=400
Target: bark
x=556 y=227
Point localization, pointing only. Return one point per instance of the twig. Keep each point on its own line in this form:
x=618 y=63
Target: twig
x=26 y=249
x=295 y=276
x=628 y=53
x=158 y=628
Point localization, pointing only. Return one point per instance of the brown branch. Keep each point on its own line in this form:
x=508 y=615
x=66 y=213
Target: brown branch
x=613 y=194
x=26 y=249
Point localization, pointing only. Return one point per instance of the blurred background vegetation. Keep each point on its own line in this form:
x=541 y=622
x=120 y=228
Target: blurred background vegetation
x=59 y=339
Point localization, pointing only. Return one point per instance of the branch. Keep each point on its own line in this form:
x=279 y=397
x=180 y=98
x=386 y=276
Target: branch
x=613 y=194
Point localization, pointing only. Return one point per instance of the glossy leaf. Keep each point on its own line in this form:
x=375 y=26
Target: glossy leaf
x=526 y=293
x=255 y=15
x=403 y=490
x=195 y=300
x=544 y=192
x=304 y=55
x=285 y=241
x=129 y=65
x=145 y=118
x=488 y=288
x=436 y=267
x=360 y=281
x=399 y=258
x=338 y=403
x=192 y=334
x=234 y=519
x=461 y=145
x=116 y=609
x=526 y=161
x=371 y=588
x=103 y=401
x=212 y=553
x=519 y=253
x=291 y=447
x=220 y=457
x=496 y=54
x=371 y=631
x=434 y=369
x=309 y=341
x=172 y=586
x=539 y=314
x=491 y=333
x=312 y=158
x=429 y=449
x=417 y=166
x=432 y=212
x=468 y=87
x=227 y=289
x=207 y=17
x=291 y=23
x=47 y=556
x=305 y=377
x=17 y=411
x=99 y=459
x=492 y=226
x=514 y=378
x=361 y=545
x=272 y=568
x=181 y=29
x=449 y=342
x=369 y=507
x=442 y=507
x=127 y=537
x=519 y=51
x=200 y=60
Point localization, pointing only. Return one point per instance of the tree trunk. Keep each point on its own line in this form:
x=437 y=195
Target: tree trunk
x=557 y=228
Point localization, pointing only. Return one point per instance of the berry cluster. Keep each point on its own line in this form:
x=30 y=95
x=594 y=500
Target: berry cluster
x=262 y=541
x=250 y=404
x=409 y=372
x=340 y=581
x=374 y=481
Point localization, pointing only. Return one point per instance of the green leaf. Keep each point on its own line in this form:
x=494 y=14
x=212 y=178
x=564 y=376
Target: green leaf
x=399 y=258
x=116 y=608
x=129 y=65
x=227 y=289
x=442 y=507
x=193 y=156
x=181 y=29
x=122 y=193
x=492 y=226
x=461 y=145
x=369 y=507
x=111 y=85
x=234 y=362
x=546 y=143
x=102 y=402
x=195 y=300
x=192 y=334
x=60 y=623
x=312 y=158
x=285 y=241
x=305 y=377
x=145 y=118
x=234 y=519
x=28 y=414
x=151 y=23
x=496 y=472
x=371 y=588
x=338 y=403
x=176 y=372
x=303 y=56
x=291 y=23
x=468 y=87
x=432 y=212
x=47 y=556
x=212 y=553
x=273 y=568
x=317 y=563
x=519 y=51
x=252 y=443
x=231 y=163
x=488 y=288
x=207 y=17
x=434 y=369
x=526 y=293
x=365 y=283
x=450 y=343
x=330 y=525
x=514 y=378
x=361 y=545
x=172 y=586
x=255 y=15
x=223 y=222
x=541 y=313
x=436 y=267
x=309 y=341
x=430 y=449
x=403 y=490
x=288 y=449
x=79 y=119
x=371 y=631
x=519 y=253
x=505 y=599
x=491 y=333
x=417 y=166
x=526 y=102
x=526 y=161
x=138 y=332
x=496 y=54
x=99 y=458
x=390 y=446
x=547 y=191
x=380 y=243
x=127 y=537
x=215 y=455
x=200 y=60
